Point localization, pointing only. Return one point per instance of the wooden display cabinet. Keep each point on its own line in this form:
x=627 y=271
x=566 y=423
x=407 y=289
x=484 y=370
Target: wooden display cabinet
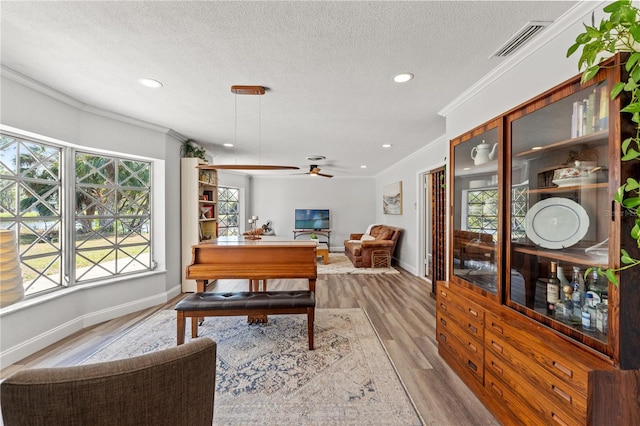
x=493 y=327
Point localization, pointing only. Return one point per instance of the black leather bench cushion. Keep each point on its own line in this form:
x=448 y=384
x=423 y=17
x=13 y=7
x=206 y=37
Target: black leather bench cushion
x=247 y=300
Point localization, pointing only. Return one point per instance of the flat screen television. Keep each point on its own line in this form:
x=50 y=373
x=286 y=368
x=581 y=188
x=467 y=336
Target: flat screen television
x=313 y=219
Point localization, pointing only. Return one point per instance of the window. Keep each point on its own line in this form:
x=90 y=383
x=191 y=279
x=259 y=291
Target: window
x=228 y=211
x=482 y=211
x=112 y=216
x=103 y=228
x=30 y=204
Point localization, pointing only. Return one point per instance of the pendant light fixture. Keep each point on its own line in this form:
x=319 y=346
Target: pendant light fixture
x=248 y=90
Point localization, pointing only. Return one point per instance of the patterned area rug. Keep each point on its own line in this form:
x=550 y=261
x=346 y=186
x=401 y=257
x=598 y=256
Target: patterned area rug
x=340 y=264
x=267 y=376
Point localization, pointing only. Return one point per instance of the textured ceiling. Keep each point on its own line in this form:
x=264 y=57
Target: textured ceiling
x=328 y=67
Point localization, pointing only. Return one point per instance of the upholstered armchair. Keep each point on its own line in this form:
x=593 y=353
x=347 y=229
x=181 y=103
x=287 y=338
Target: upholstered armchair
x=360 y=247
x=171 y=387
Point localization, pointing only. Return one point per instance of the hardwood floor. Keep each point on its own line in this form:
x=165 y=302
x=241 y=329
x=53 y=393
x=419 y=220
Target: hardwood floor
x=399 y=306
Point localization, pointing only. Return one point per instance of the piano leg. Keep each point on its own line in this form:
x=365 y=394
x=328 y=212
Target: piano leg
x=255 y=286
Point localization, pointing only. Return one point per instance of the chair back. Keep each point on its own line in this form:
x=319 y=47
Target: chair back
x=173 y=387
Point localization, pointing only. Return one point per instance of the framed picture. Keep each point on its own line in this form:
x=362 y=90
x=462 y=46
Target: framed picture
x=392 y=198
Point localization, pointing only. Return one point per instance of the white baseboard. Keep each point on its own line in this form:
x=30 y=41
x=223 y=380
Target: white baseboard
x=59 y=332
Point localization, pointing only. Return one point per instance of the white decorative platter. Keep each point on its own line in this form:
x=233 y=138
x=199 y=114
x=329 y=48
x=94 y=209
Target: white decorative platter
x=556 y=223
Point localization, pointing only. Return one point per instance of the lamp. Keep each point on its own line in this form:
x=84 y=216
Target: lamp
x=248 y=90
x=11 y=289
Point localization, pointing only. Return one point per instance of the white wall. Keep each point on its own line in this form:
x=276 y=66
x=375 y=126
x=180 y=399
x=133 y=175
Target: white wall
x=32 y=324
x=409 y=171
x=352 y=202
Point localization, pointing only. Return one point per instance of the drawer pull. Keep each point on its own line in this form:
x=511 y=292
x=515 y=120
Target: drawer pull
x=558 y=420
x=497 y=368
x=443 y=293
x=497 y=327
x=473 y=328
x=472 y=365
x=443 y=306
x=473 y=312
x=443 y=337
x=563 y=369
x=443 y=321
x=496 y=389
x=497 y=346
x=561 y=393
x=473 y=347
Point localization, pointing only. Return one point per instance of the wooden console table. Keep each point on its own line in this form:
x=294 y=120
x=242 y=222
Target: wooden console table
x=324 y=232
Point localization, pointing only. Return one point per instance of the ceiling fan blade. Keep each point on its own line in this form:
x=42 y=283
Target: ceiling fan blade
x=245 y=167
x=323 y=175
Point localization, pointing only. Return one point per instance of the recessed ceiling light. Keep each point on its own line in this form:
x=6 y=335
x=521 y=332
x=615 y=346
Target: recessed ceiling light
x=403 y=78
x=149 y=82
x=363 y=167
x=228 y=145
x=387 y=145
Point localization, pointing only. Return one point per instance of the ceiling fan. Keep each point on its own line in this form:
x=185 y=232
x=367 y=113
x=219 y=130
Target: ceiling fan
x=314 y=170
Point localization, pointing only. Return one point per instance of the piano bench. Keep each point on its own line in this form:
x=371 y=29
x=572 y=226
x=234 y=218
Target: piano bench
x=206 y=304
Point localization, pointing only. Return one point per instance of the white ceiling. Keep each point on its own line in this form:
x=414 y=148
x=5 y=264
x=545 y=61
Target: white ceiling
x=328 y=67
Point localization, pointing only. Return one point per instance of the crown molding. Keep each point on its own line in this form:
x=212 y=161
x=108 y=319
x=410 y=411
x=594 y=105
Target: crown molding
x=64 y=98
x=572 y=16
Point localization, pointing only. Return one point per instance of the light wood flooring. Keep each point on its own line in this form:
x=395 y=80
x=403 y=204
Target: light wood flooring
x=403 y=314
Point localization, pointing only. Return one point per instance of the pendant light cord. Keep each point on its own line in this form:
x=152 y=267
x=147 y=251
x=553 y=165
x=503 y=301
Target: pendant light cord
x=260 y=130
x=235 y=129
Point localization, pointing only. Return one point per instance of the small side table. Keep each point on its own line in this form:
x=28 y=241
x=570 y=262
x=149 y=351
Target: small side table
x=323 y=251
x=380 y=259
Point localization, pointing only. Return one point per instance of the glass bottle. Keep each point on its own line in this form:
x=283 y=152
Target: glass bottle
x=602 y=316
x=553 y=289
x=588 y=313
x=598 y=285
x=577 y=296
x=560 y=274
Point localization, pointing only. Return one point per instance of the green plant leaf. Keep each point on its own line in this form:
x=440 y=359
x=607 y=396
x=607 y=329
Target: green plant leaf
x=631 y=154
x=611 y=276
x=573 y=49
x=633 y=59
x=590 y=73
x=632 y=184
x=617 y=88
x=631 y=203
x=618 y=197
x=615 y=6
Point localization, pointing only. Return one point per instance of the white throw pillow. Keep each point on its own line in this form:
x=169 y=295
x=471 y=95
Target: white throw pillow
x=367 y=237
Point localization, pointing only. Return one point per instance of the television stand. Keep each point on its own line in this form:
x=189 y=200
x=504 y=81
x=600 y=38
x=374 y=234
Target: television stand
x=324 y=232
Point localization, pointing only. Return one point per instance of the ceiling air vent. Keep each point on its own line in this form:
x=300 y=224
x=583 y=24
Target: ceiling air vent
x=520 y=38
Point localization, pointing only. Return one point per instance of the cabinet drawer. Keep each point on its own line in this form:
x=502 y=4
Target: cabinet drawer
x=560 y=363
x=467 y=344
x=468 y=315
x=500 y=391
x=544 y=393
x=471 y=362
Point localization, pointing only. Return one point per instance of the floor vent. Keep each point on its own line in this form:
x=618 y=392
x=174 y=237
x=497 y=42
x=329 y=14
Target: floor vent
x=520 y=38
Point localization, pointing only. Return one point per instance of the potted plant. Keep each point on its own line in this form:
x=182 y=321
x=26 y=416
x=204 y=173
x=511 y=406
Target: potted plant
x=190 y=149
x=616 y=33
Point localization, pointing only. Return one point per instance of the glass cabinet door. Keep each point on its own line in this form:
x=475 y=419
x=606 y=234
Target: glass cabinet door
x=560 y=209
x=476 y=209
